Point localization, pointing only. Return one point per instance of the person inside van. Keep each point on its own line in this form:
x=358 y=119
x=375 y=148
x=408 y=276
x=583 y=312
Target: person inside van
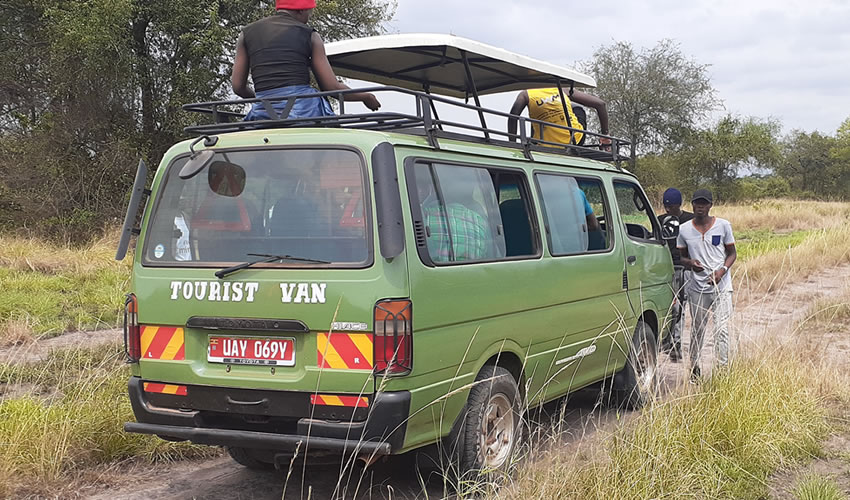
x=455 y=231
x=278 y=52
x=545 y=105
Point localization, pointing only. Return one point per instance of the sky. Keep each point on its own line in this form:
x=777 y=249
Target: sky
x=768 y=59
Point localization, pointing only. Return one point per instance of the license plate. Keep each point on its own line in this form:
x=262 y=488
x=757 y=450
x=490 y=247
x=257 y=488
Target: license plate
x=252 y=351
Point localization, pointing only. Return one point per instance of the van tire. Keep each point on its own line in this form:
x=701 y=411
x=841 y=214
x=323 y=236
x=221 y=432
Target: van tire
x=248 y=458
x=493 y=399
x=637 y=383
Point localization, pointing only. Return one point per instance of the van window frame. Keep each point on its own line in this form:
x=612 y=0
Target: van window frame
x=416 y=211
x=605 y=201
x=367 y=207
x=653 y=219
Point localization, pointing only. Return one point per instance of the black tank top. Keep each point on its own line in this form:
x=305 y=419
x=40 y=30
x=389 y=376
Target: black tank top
x=279 y=51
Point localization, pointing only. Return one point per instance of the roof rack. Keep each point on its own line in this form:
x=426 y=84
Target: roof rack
x=227 y=116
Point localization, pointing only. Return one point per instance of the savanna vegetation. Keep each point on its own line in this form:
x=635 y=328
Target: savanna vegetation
x=61 y=419
x=89 y=86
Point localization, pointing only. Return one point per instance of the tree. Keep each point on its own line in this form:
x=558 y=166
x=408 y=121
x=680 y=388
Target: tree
x=652 y=95
x=717 y=156
x=840 y=154
x=88 y=86
x=806 y=162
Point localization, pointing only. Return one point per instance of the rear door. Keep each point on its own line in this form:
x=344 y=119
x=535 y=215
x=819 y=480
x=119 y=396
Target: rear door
x=301 y=321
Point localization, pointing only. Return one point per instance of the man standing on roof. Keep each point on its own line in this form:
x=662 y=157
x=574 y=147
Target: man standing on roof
x=545 y=105
x=708 y=249
x=279 y=51
x=672 y=201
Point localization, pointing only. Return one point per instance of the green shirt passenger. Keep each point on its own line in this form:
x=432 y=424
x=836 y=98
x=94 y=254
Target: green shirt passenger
x=470 y=233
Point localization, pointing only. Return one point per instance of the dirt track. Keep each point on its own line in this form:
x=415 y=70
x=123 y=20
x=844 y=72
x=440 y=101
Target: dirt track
x=755 y=318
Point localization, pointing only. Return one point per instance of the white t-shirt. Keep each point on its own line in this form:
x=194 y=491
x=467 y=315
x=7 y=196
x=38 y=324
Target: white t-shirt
x=710 y=250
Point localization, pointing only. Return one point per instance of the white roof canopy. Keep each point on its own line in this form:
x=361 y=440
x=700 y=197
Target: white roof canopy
x=416 y=61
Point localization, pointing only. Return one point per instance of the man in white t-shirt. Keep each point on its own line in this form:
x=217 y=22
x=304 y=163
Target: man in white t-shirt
x=707 y=247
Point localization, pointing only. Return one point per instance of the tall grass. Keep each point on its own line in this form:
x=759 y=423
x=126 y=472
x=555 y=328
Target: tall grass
x=722 y=440
x=814 y=487
x=784 y=215
x=71 y=418
x=768 y=271
x=48 y=289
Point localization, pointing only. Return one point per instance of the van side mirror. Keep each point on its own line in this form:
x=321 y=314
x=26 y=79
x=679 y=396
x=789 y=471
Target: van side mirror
x=199 y=159
x=669 y=227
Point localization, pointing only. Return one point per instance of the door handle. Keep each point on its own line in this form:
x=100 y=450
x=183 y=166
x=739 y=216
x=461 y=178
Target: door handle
x=631 y=259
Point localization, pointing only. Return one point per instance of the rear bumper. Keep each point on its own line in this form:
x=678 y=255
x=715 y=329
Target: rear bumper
x=280 y=423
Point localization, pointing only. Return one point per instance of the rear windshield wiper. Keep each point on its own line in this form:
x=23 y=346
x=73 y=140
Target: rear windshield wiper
x=267 y=258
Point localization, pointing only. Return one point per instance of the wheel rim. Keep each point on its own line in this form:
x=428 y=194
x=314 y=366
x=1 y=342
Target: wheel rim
x=645 y=367
x=496 y=436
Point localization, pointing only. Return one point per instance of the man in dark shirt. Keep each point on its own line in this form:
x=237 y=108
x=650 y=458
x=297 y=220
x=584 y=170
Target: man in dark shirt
x=279 y=52
x=673 y=206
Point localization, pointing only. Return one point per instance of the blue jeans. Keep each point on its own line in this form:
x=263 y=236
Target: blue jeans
x=303 y=107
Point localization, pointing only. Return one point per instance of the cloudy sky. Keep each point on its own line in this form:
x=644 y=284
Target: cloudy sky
x=768 y=58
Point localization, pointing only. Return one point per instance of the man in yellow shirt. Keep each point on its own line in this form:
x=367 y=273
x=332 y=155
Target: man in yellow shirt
x=545 y=105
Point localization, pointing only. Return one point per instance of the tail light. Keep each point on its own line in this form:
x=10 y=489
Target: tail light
x=393 y=337
x=132 y=332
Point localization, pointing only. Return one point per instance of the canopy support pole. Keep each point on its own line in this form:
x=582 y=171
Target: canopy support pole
x=474 y=93
x=427 y=88
x=564 y=104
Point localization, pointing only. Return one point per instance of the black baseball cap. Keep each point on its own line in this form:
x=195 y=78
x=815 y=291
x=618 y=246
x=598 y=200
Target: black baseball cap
x=702 y=194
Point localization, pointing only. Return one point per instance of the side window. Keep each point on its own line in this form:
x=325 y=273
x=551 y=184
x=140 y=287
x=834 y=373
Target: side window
x=472 y=213
x=636 y=211
x=599 y=230
x=574 y=213
x=514 y=208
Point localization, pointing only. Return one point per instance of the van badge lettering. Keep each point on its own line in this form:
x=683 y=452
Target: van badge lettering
x=304 y=293
x=237 y=291
x=214 y=291
x=347 y=326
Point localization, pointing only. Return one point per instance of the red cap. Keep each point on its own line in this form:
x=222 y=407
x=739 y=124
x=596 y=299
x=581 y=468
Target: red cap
x=295 y=4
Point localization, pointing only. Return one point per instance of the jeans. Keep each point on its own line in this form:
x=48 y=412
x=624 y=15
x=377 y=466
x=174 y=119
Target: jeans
x=304 y=107
x=718 y=305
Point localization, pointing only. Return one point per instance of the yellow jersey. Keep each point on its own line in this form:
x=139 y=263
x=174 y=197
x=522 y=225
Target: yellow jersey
x=545 y=105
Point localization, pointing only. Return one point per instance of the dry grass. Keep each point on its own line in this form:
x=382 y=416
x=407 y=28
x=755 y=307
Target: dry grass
x=785 y=215
x=722 y=440
x=770 y=270
x=815 y=487
x=36 y=255
x=832 y=311
x=49 y=289
x=17 y=331
x=69 y=420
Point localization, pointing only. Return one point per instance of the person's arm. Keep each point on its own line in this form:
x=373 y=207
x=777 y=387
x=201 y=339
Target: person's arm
x=327 y=79
x=598 y=104
x=687 y=262
x=241 y=67
x=519 y=105
x=592 y=223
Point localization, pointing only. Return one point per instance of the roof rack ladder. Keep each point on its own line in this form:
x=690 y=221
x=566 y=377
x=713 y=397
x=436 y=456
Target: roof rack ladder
x=471 y=84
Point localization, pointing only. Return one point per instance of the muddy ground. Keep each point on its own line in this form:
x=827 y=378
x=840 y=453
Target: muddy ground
x=755 y=319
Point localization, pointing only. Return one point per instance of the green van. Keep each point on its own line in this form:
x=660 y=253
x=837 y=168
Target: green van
x=369 y=284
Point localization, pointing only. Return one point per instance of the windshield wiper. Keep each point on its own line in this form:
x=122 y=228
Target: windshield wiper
x=268 y=258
